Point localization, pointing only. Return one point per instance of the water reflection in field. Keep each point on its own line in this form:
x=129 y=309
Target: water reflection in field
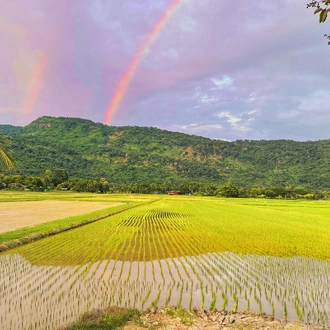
x=46 y=297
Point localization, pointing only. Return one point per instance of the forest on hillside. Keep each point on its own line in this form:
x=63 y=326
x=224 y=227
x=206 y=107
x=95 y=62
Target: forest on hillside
x=132 y=155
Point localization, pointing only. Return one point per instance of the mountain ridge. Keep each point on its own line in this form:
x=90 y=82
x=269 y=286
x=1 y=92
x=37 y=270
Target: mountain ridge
x=126 y=154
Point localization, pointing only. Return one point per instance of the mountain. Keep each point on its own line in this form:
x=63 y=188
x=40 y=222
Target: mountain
x=131 y=154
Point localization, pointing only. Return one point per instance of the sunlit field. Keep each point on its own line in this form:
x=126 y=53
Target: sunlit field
x=237 y=254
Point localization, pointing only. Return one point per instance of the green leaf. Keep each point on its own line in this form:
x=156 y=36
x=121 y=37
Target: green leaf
x=7 y=160
x=323 y=15
x=317 y=10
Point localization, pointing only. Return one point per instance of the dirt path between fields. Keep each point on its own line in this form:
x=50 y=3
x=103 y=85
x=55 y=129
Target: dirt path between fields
x=171 y=318
x=15 y=215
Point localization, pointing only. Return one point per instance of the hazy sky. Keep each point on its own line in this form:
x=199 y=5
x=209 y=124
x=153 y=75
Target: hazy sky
x=218 y=68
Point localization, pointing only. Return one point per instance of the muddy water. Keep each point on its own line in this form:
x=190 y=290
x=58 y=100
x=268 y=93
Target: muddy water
x=46 y=297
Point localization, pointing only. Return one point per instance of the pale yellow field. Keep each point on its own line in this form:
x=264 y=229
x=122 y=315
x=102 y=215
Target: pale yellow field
x=23 y=214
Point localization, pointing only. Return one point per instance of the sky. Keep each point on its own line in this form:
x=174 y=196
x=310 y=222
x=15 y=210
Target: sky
x=219 y=69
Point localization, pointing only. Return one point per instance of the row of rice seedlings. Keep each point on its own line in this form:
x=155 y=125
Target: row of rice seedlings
x=89 y=290
x=110 y=243
x=178 y=243
x=257 y=285
x=192 y=248
x=130 y=249
x=204 y=268
x=123 y=297
x=23 y=298
x=267 y=297
x=89 y=262
x=165 y=223
x=143 y=245
x=185 y=262
x=180 y=236
x=129 y=273
x=156 y=242
x=127 y=248
x=62 y=295
x=149 y=244
x=154 y=224
x=285 y=289
x=310 y=293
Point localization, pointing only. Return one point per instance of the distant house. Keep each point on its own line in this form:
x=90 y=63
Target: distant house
x=173 y=192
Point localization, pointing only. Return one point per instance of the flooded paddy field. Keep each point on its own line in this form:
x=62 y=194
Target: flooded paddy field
x=270 y=257
x=47 y=297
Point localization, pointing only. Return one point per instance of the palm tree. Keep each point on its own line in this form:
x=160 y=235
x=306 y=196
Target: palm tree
x=7 y=160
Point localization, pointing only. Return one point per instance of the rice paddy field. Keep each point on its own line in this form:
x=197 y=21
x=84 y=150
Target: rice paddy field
x=269 y=256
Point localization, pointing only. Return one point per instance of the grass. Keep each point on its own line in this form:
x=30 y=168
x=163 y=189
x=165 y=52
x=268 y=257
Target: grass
x=107 y=319
x=184 y=315
x=59 y=224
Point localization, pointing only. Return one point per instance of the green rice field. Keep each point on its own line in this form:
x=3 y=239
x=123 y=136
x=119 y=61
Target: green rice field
x=256 y=255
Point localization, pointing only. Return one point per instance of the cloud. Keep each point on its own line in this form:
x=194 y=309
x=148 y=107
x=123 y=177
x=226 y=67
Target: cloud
x=234 y=121
x=187 y=24
x=252 y=97
x=205 y=99
x=199 y=127
x=226 y=81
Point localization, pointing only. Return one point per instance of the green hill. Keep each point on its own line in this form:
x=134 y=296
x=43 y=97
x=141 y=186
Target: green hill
x=144 y=155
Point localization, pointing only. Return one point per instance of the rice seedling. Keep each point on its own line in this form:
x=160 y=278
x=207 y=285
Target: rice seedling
x=267 y=257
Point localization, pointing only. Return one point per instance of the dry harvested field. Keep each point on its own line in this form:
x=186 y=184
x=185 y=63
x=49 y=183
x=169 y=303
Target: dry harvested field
x=15 y=215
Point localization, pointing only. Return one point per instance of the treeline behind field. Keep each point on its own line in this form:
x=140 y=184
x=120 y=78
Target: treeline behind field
x=145 y=155
x=59 y=181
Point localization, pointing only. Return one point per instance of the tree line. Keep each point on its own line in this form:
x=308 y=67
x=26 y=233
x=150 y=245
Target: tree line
x=59 y=180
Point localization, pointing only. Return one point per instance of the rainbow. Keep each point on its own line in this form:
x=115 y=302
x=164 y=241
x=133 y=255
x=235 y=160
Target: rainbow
x=127 y=77
x=36 y=83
